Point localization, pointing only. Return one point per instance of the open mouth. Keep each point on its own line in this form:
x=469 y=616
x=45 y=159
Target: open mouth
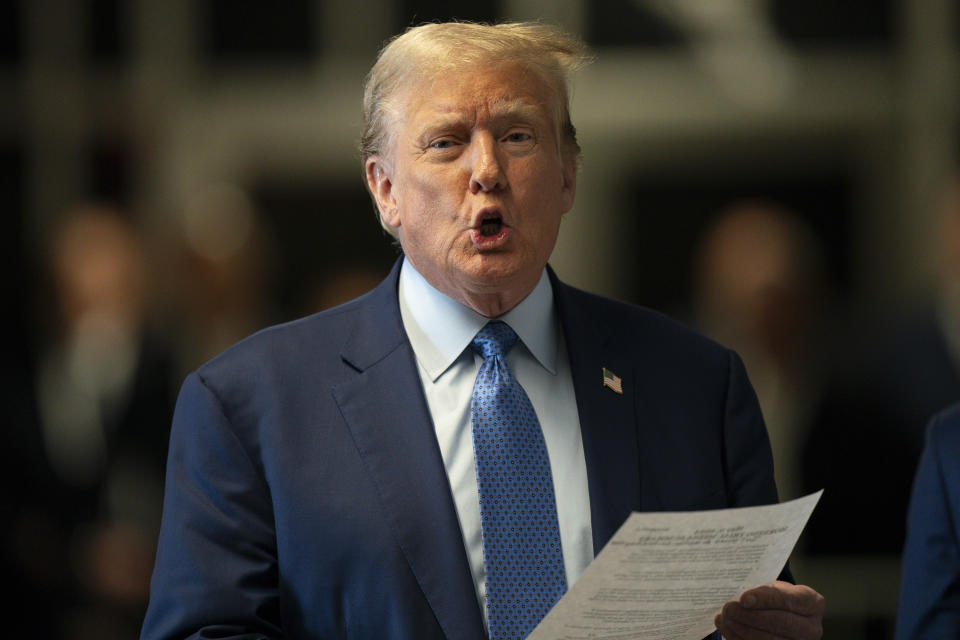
x=491 y=226
x=491 y=231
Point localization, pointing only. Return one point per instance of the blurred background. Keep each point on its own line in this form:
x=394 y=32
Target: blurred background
x=176 y=174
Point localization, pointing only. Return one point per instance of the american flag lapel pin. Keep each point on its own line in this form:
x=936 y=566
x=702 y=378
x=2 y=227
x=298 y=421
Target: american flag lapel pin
x=612 y=381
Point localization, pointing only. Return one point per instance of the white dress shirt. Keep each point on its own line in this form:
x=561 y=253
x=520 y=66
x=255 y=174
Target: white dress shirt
x=440 y=330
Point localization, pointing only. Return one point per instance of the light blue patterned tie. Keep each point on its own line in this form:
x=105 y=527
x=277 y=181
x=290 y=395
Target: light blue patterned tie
x=518 y=510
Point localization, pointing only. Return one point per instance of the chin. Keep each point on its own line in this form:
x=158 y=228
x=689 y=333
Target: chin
x=495 y=272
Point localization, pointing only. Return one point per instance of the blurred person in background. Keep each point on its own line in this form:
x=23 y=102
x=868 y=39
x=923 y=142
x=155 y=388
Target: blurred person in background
x=224 y=254
x=91 y=461
x=758 y=288
x=899 y=368
x=930 y=589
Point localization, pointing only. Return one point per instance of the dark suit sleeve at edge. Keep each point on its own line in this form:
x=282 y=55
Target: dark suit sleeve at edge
x=930 y=587
x=749 y=460
x=216 y=570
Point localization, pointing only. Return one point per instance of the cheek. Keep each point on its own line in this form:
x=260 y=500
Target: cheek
x=543 y=192
x=425 y=225
x=431 y=199
x=547 y=238
x=423 y=187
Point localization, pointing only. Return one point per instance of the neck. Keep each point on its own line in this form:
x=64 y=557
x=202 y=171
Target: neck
x=493 y=304
x=489 y=300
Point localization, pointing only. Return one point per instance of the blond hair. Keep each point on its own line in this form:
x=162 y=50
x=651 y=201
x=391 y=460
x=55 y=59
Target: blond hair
x=429 y=50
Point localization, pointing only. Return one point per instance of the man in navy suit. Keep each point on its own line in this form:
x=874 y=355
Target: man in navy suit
x=930 y=588
x=321 y=481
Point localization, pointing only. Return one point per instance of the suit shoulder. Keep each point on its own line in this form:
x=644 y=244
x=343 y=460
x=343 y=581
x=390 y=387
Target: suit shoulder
x=653 y=331
x=943 y=434
x=287 y=346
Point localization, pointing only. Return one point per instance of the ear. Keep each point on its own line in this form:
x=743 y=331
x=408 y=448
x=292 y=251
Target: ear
x=568 y=186
x=380 y=182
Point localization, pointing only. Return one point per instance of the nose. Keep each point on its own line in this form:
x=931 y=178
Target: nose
x=486 y=171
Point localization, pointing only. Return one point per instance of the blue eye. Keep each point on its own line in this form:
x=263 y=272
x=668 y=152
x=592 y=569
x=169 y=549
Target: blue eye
x=442 y=144
x=518 y=136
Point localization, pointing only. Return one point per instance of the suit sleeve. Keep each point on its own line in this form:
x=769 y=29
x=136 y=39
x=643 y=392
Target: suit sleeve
x=749 y=460
x=930 y=587
x=216 y=570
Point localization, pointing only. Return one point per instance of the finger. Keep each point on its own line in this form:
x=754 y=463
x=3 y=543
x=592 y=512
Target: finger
x=796 y=598
x=725 y=631
x=777 y=623
x=732 y=629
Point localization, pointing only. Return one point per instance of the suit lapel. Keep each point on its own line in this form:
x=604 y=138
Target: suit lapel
x=387 y=415
x=607 y=419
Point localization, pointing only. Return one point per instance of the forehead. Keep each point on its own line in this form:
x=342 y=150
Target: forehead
x=508 y=89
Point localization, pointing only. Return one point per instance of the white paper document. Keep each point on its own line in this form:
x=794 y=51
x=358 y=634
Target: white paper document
x=664 y=576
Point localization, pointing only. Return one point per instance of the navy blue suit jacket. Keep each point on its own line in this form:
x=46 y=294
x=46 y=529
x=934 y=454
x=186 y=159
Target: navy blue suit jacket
x=306 y=496
x=930 y=587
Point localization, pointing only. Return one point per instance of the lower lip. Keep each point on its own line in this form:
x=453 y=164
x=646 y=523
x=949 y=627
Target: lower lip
x=484 y=243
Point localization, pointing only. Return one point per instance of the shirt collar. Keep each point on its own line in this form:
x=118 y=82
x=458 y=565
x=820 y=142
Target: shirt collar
x=440 y=328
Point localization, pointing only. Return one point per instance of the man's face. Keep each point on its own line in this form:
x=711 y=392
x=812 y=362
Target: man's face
x=475 y=184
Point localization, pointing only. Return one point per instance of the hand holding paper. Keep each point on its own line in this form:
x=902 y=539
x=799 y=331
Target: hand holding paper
x=780 y=610
x=664 y=576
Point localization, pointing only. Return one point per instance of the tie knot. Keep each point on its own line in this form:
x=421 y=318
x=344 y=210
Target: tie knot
x=495 y=339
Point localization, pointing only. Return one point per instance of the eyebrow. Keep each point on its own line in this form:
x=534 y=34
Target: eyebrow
x=516 y=109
